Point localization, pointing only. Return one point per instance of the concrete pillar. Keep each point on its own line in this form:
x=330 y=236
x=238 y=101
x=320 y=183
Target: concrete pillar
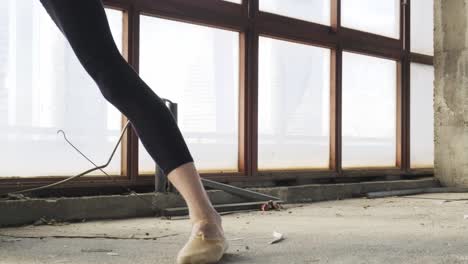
x=451 y=97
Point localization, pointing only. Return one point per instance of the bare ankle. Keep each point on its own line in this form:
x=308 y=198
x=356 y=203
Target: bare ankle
x=211 y=217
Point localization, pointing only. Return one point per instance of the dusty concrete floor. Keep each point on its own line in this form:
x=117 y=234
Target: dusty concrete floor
x=417 y=229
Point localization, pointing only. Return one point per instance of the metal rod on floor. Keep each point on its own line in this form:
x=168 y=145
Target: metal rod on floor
x=220 y=208
x=238 y=191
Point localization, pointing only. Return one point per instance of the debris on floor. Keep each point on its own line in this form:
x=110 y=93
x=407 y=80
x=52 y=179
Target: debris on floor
x=271 y=205
x=9 y=240
x=96 y=250
x=44 y=221
x=278 y=237
x=13 y=196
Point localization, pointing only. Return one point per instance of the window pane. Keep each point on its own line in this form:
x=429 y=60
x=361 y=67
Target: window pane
x=369 y=111
x=198 y=68
x=379 y=17
x=422 y=26
x=293 y=112
x=422 y=116
x=234 y=1
x=317 y=11
x=43 y=88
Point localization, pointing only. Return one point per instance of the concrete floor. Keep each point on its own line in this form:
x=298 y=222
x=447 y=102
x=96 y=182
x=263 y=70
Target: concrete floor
x=417 y=229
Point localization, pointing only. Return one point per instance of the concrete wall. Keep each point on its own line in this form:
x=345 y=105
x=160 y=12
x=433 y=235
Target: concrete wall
x=451 y=98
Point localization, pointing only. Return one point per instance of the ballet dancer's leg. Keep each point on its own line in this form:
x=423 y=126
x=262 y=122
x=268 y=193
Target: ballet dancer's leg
x=84 y=24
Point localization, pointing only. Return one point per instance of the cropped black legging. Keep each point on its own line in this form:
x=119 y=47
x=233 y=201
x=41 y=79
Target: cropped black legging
x=84 y=24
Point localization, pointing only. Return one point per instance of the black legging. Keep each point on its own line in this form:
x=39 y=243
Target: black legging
x=84 y=24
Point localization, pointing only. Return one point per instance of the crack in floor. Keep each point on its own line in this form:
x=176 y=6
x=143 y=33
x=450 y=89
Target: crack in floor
x=89 y=237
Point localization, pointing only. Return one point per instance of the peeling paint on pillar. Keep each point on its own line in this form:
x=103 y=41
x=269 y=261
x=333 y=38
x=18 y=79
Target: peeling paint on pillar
x=450 y=97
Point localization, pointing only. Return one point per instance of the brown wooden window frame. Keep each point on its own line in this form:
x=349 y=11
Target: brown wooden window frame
x=251 y=23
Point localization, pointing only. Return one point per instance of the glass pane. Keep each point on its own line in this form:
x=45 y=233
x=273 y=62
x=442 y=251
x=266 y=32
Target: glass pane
x=43 y=88
x=294 y=111
x=198 y=68
x=317 y=11
x=369 y=111
x=379 y=17
x=234 y=1
x=422 y=26
x=422 y=116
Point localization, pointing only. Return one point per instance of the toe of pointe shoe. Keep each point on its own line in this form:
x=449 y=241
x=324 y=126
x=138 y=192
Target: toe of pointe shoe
x=202 y=251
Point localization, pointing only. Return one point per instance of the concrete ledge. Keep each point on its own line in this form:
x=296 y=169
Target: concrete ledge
x=324 y=192
x=21 y=212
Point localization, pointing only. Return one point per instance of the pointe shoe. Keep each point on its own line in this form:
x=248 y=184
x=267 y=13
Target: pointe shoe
x=202 y=250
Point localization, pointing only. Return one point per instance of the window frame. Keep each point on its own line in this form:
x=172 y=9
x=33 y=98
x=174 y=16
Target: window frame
x=251 y=23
